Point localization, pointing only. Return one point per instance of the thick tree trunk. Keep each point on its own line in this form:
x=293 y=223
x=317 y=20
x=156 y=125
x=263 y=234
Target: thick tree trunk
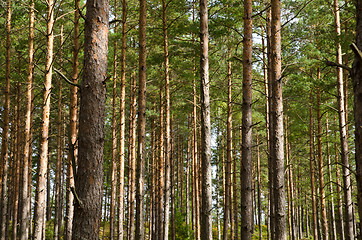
x=25 y=210
x=277 y=113
x=357 y=89
x=89 y=175
x=122 y=122
x=39 y=218
x=246 y=162
x=206 y=206
x=141 y=123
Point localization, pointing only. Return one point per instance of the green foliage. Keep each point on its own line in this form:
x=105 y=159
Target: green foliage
x=183 y=231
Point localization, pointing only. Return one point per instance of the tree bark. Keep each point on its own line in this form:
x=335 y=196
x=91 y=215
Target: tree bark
x=206 y=208
x=277 y=113
x=122 y=122
x=59 y=157
x=39 y=218
x=89 y=175
x=322 y=194
x=357 y=90
x=311 y=167
x=25 y=210
x=246 y=162
x=167 y=126
x=114 y=134
x=141 y=123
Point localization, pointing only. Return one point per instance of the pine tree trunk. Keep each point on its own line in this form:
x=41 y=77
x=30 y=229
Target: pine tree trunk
x=89 y=174
x=161 y=171
x=25 y=210
x=39 y=218
x=122 y=122
x=343 y=134
x=277 y=112
x=357 y=90
x=246 y=162
x=206 y=210
x=73 y=130
x=141 y=123
x=132 y=161
x=311 y=165
x=114 y=135
x=320 y=167
x=59 y=157
x=333 y=215
x=259 y=186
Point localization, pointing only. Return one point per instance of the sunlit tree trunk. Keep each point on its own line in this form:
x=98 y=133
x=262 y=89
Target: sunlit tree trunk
x=349 y=234
x=39 y=217
x=122 y=122
x=206 y=206
x=114 y=134
x=25 y=210
x=132 y=160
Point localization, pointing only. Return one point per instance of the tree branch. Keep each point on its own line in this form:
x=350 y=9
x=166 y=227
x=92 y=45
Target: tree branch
x=65 y=78
x=356 y=50
x=334 y=64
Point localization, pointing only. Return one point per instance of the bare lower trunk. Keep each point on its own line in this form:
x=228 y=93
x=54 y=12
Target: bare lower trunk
x=89 y=174
x=122 y=122
x=246 y=163
x=206 y=208
x=141 y=123
x=277 y=113
x=25 y=210
x=357 y=89
x=39 y=218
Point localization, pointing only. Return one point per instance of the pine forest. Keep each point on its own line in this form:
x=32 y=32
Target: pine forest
x=181 y=119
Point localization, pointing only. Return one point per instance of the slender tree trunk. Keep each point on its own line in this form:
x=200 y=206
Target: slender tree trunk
x=167 y=126
x=161 y=164
x=357 y=90
x=5 y=130
x=122 y=122
x=259 y=186
x=59 y=157
x=343 y=133
x=132 y=161
x=320 y=167
x=141 y=123
x=114 y=134
x=277 y=112
x=330 y=185
x=89 y=175
x=73 y=119
x=206 y=210
x=229 y=158
x=311 y=165
x=25 y=210
x=39 y=218
x=246 y=163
